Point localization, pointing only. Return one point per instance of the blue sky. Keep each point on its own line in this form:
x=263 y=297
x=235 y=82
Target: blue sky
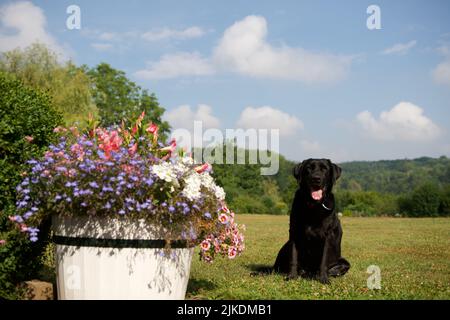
x=311 y=68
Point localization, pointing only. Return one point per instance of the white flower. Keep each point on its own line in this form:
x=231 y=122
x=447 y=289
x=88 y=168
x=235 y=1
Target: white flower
x=193 y=185
x=165 y=172
x=219 y=192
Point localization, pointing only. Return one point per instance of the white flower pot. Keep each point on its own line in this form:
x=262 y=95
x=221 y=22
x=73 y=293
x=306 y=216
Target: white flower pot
x=113 y=258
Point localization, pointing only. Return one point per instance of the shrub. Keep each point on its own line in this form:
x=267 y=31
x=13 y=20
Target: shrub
x=423 y=201
x=26 y=128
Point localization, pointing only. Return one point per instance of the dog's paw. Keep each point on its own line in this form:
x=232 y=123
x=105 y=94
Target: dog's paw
x=324 y=279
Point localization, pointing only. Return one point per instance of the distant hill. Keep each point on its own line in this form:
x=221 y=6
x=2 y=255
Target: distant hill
x=394 y=176
x=365 y=187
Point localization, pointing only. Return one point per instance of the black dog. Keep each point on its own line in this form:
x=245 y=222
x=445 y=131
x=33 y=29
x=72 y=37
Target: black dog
x=315 y=232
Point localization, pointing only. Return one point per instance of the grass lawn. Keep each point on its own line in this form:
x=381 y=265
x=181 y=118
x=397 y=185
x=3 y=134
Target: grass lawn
x=413 y=255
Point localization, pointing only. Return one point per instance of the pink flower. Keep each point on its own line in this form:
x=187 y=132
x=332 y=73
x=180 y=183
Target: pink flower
x=2 y=242
x=111 y=141
x=205 y=245
x=132 y=149
x=152 y=128
x=171 y=148
x=204 y=167
x=232 y=252
x=23 y=227
x=29 y=139
x=223 y=218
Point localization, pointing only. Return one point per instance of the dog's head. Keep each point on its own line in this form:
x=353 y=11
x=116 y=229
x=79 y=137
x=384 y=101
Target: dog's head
x=317 y=177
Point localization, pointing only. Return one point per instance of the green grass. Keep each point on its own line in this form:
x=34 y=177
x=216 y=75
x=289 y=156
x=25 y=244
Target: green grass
x=413 y=255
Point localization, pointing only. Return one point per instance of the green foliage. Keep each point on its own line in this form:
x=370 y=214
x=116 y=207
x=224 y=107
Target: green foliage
x=69 y=86
x=365 y=203
x=24 y=112
x=394 y=176
x=423 y=201
x=117 y=98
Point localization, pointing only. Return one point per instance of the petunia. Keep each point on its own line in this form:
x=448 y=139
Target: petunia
x=223 y=218
x=205 y=245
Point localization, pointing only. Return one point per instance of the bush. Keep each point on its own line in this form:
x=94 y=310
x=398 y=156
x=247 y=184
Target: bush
x=366 y=203
x=423 y=201
x=26 y=129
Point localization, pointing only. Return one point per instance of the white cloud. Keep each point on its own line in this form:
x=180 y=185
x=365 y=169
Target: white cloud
x=441 y=74
x=183 y=117
x=404 y=122
x=244 y=49
x=267 y=117
x=176 y=65
x=400 y=48
x=25 y=24
x=102 y=46
x=167 y=33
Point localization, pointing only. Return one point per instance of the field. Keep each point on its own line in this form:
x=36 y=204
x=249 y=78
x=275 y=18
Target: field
x=412 y=254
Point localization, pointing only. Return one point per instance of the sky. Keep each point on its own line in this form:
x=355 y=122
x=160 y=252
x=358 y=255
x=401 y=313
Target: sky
x=334 y=87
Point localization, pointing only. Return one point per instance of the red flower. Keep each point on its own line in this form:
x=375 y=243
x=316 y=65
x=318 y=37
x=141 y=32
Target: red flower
x=152 y=128
x=204 y=167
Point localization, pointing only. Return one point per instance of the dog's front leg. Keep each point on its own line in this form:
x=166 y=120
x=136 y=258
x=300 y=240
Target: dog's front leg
x=293 y=261
x=323 y=272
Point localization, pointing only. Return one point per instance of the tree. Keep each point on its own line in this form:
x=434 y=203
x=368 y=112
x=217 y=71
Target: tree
x=119 y=98
x=38 y=67
x=423 y=201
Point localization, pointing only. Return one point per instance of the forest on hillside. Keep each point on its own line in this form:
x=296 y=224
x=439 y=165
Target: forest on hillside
x=417 y=187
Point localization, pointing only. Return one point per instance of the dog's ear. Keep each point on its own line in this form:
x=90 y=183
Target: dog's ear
x=335 y=172
x=298 y=171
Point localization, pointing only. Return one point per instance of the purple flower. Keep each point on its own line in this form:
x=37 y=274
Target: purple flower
x=121 y=211
x=148 y=181
x=22 y=204
x=27 y=215
x=69 y=199
x=186 y=210
x=207 y=215
x=107 y=205
x=171 y=209
x=18 y=219
x=93 y=184
x=33 y=239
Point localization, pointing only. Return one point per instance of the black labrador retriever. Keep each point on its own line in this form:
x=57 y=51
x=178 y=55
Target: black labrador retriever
x=315 y=232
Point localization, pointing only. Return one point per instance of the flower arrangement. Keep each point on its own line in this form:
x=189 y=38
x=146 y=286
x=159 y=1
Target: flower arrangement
x=128 y=172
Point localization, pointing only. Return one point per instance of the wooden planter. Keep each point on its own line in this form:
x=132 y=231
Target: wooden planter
x=114 y=258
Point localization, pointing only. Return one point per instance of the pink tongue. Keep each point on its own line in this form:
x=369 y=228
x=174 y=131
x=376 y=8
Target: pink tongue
x=316 y=195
